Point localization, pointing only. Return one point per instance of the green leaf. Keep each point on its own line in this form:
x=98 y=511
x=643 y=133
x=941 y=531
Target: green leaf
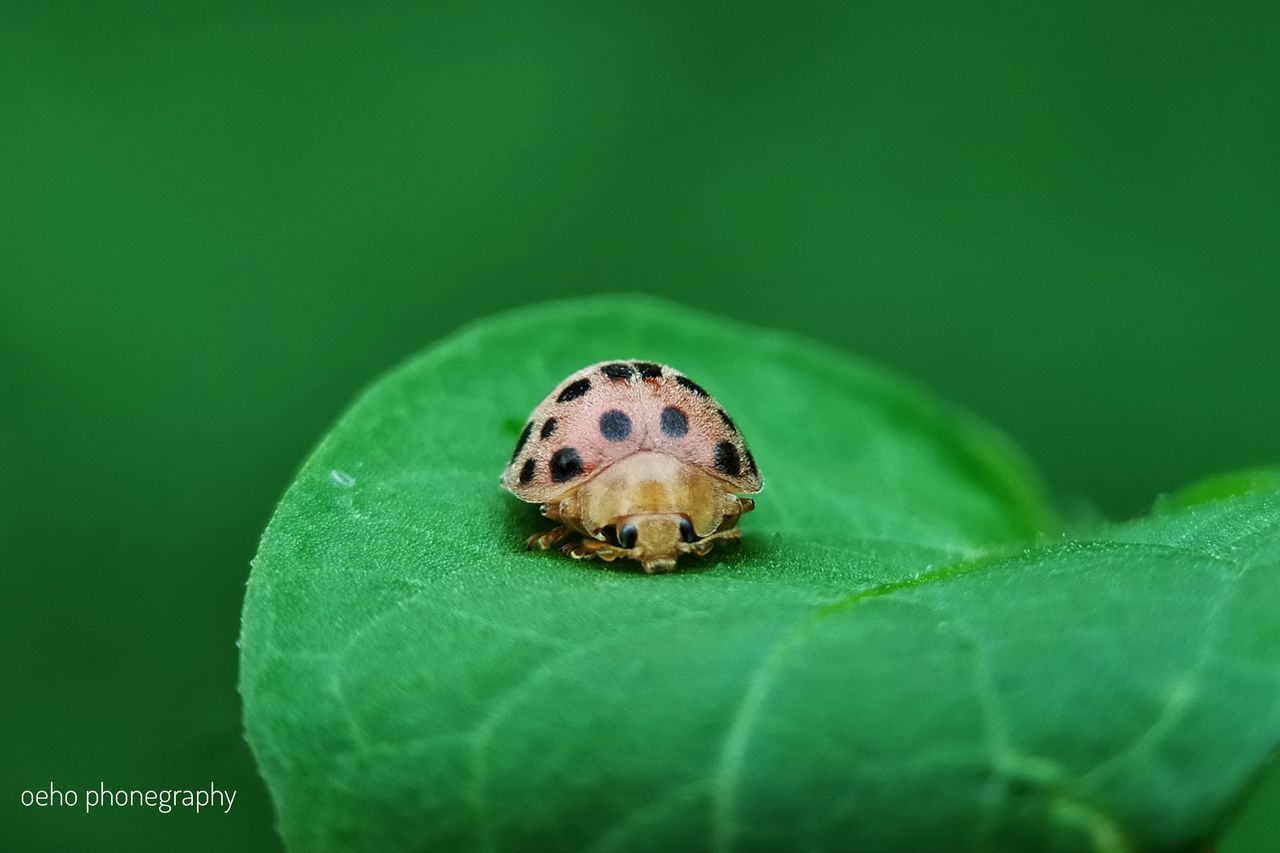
x=1221 y=486
x=892 y=660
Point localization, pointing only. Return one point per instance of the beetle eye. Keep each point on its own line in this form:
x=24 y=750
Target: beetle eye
x=686 y=530
x=627 y=536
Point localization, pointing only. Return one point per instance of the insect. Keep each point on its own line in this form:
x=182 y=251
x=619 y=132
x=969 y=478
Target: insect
x=633 y=460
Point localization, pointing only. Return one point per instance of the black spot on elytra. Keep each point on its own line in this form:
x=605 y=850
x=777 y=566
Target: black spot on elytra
x=697 y=389
x=728 y=421
x=526 y=473
x=727 y=459
x=649 y=370
x=615 y=425
x=618 y=370
x=522 y=440
x=574 y=390
x=674 y=422
x=565 y=464
x=548 y=428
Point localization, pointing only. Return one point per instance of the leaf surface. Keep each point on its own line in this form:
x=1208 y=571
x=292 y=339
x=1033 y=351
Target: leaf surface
x=891 y=660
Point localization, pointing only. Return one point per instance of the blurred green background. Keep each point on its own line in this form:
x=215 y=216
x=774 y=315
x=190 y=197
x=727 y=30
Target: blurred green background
x=217 y=224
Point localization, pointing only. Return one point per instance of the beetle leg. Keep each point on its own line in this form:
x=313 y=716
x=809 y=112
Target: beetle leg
x=733 y=508
x=546 y=540
x=585 y=549
x=704 y=545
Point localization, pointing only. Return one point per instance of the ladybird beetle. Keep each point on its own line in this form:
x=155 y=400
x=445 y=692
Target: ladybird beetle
x=634 y=460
